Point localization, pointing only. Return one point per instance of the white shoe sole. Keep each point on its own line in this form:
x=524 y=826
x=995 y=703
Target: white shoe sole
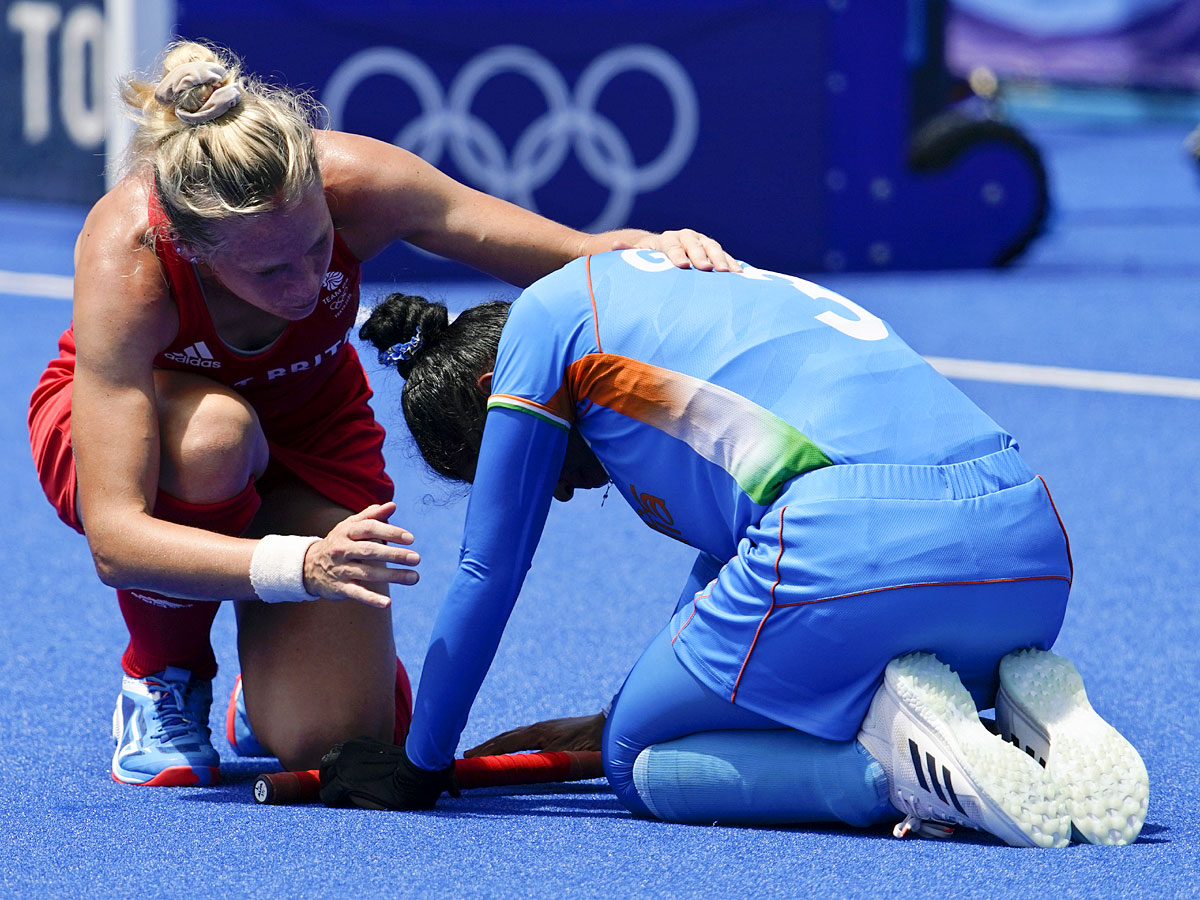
x=942 y=764
x=1043 y=709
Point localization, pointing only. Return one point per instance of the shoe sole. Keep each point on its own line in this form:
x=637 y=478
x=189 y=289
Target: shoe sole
x=1043 y=709
x=174 y=776
x=1019 y=806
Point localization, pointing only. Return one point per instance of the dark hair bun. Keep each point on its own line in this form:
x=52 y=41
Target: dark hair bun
x=402 y=327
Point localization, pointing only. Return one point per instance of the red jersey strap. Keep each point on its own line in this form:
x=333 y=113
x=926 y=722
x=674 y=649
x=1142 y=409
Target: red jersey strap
x=181 y=276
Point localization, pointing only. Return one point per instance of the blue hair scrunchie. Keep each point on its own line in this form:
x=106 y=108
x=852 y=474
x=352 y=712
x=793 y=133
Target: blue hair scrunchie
x=401 y=352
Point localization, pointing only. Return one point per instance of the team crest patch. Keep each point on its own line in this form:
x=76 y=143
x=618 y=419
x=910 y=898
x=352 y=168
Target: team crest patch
x=337 y=290
x=653 y=511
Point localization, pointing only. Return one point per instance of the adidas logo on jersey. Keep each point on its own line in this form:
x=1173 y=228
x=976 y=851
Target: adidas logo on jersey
x=197 y=355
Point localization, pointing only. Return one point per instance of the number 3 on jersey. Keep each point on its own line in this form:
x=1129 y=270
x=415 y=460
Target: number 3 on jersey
x=864 y=326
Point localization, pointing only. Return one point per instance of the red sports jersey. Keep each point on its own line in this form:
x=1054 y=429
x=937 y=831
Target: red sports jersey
x=308 y=389
x=284 y=376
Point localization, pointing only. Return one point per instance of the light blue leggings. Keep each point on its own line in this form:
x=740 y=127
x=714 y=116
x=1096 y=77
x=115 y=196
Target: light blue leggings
x=675 y=750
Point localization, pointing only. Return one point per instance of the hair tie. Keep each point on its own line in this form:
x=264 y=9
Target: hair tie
x=189 y=75
x=401 y=352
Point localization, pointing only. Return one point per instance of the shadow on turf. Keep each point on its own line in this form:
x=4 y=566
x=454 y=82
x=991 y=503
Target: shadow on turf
x=237 y=784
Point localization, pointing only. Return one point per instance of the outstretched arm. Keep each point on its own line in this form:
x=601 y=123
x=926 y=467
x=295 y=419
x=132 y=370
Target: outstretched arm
x=519 y=463
x=379 y=193
x=584 y=732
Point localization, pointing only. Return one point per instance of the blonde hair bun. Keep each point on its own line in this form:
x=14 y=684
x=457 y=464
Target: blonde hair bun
x=254 y=152
x=177 y=89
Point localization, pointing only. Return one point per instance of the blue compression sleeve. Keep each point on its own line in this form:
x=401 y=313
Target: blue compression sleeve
x=762 y=778
x=519 y=464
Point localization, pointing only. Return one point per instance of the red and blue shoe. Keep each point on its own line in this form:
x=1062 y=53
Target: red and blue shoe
x=160 y=727
x=237 y=725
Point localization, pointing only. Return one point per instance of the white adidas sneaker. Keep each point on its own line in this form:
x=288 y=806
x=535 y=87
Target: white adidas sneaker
x=943 y=766
x=1043 y=709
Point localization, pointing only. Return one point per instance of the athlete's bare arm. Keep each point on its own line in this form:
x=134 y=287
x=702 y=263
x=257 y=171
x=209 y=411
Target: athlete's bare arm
x=568 y=733
x=380 y=193
x=123 y=317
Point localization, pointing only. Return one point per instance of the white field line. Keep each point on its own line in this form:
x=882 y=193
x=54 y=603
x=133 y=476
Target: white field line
x=58 y=287
x=1073 y=379
x=32 y=284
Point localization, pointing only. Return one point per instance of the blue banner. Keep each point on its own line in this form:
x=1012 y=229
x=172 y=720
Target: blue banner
x=52 y=123
x=612 y=115
x=781 y=127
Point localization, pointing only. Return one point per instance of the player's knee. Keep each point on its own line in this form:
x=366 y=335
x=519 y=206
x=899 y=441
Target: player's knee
x=620 y=755
x=211 y=442
x=303 y=748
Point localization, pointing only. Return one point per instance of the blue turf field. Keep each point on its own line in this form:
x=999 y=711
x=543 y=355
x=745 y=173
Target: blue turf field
x=1113 y=287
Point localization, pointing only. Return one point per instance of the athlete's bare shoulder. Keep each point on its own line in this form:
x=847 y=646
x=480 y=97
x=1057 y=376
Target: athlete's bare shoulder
x=119 y=215
x=379 y=193
x=347 y=158
x=119 y=284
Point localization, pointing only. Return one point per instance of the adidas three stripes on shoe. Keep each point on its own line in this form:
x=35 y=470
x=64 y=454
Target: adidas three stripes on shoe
x=944 y=767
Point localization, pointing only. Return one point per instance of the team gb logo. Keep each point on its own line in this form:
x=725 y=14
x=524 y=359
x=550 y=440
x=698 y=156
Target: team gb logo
x=336 y=293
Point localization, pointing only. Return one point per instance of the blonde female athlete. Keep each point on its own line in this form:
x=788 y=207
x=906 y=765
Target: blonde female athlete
x=206 y=422
x=872 y=549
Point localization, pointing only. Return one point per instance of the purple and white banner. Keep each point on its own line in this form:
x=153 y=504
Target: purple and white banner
x=1124 y=43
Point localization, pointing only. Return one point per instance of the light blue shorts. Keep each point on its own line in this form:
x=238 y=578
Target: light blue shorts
x=857 y=564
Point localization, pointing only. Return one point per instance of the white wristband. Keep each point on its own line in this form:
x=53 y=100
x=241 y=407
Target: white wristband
x=277 y=568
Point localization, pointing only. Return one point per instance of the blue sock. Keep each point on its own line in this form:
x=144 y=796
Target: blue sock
x=761 y=778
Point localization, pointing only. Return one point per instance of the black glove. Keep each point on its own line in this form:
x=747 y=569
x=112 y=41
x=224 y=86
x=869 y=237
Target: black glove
x=375 y=775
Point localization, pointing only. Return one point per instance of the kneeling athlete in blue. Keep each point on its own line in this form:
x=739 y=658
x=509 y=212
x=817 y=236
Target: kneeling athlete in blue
x=872 y=549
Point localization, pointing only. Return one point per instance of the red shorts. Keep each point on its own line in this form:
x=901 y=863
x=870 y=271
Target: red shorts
x=333 y=443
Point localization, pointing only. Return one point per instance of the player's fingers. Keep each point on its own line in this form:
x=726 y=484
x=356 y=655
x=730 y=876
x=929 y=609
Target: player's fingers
x=695 y=246
x=374 y=530
x=376 y=553
x=677 y=250
x=362 y=594
x=336 y=580
x=527 y=737
x=381 y=574
x=721 y=261
x=379 y=511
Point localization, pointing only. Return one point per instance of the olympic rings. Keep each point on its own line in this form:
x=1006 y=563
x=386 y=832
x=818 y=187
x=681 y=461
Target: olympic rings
x=570 y=122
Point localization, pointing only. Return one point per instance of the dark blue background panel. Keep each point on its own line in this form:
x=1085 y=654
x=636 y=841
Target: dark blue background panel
x=783 y=129
x=53 y=115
